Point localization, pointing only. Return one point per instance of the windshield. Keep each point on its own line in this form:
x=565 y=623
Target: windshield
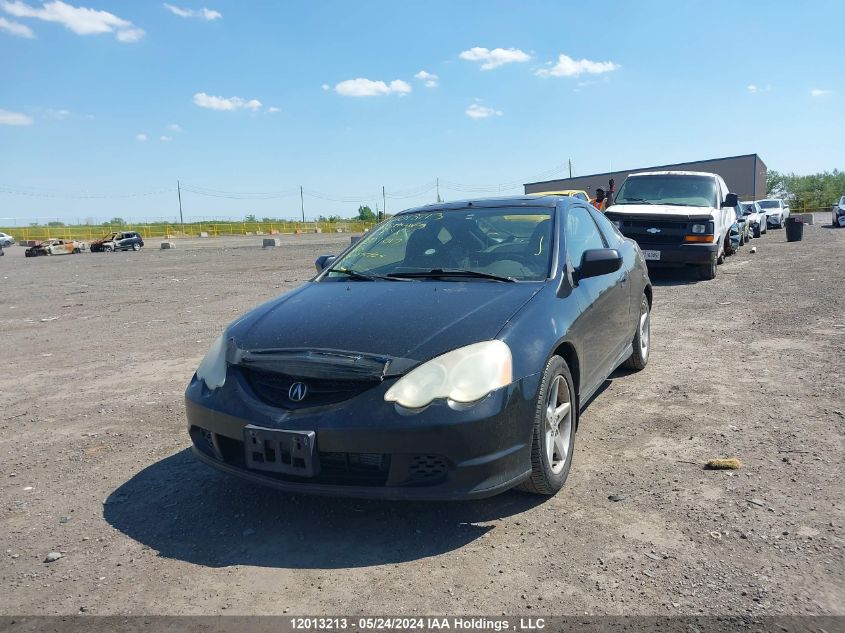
x=505 y=242
x=747 y=207
x=769 y=204
x=692 y=191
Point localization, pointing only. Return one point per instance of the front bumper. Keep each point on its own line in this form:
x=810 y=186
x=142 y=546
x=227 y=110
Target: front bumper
x=672 y=255
x=366 y=447
x=773 y=220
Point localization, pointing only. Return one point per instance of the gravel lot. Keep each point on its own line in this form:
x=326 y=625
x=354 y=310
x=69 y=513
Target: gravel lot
x=97 y=349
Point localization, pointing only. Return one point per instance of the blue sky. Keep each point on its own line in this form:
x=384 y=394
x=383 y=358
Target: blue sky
x=115 y=98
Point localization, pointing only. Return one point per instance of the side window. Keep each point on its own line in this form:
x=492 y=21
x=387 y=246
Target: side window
x=611 y=234
x=582 y=234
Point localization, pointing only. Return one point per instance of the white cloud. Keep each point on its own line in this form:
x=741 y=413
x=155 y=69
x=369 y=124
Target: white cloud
x=431 y=80
x=16 y=28
x=494 y=58
x=477 y=111
x=14 y=118
x=174 y=127
x=141 y=137
x=273 y=109
x=203 y=14
x=58 y=114
x=80 y=20
x=568 y=67
x=165 y=139
x=226 y=104
x=752 y=88
x=368 y=88
x=326 y=87
x=818 y=92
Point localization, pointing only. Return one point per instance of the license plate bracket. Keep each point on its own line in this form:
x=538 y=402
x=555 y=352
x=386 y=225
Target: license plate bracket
x=278 y=451
x=651 y=256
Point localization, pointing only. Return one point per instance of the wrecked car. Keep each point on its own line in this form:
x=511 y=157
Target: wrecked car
x=446 y=355
x=118 y=241
x=54 y=247
x=838 y=216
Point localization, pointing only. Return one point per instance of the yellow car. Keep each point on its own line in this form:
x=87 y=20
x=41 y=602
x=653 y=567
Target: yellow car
x=575 y=193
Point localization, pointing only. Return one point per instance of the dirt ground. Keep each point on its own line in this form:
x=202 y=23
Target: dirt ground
x=94 y=463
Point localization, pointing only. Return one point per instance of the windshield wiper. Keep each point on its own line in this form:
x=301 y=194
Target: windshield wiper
x=439 y=273
x=634 y=201
x=361 y=276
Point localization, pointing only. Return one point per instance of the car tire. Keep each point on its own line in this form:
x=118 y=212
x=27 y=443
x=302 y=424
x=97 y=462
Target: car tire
x=549 y=468
x=708 y=271
x=642 y=338
x=136 y=247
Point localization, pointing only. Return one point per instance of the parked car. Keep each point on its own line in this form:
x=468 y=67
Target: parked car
x=6 y=240
x=54 y=247
x=118 y=241
x=838 y=215
x=755 y=216
x=744 y=225
x=446 y=355
x=776 y=211
x=679 y=218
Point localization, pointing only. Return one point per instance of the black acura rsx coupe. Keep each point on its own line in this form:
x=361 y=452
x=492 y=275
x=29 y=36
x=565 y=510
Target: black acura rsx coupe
x=446 y=355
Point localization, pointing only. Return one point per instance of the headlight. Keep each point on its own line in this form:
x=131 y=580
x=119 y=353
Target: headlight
x=699 y=228
x=212 y=369
x=463 y=375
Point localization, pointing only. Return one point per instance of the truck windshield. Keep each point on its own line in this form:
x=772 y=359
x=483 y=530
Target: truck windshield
x=513 y=244
x=689 y=191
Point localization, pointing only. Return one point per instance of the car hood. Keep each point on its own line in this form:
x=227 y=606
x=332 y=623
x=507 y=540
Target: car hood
x=659 y=210
x=402 y=319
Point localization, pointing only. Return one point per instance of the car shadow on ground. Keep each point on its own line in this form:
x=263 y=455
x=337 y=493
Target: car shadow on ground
x=186 y=510
x=680 y=276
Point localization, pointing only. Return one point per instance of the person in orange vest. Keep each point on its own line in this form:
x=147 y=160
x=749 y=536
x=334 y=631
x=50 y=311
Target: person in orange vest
x=600 y=202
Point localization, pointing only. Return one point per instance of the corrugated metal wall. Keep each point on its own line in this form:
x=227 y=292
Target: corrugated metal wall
x=744 y=175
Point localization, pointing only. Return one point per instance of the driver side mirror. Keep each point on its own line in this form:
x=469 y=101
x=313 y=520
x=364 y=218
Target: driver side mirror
x=323 y=262
x=598 y=261
x=731 y=200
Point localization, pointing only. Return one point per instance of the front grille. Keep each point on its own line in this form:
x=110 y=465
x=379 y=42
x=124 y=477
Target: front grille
x=426 y=468
x=659 y=238
x=275 y=388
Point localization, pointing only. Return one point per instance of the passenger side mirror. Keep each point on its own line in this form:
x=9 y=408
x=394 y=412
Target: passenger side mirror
x=731 y=200
x=323 y=262
x=598 y=261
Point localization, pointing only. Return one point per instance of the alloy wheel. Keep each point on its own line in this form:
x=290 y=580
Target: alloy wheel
x=558 y=423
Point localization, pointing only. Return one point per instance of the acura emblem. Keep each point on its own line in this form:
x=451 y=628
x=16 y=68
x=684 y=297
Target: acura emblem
x=652 y=231
x=297 y=392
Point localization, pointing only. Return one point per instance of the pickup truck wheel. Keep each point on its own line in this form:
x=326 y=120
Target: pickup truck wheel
x=555 y=421
x=642 y=339
x=708 y=271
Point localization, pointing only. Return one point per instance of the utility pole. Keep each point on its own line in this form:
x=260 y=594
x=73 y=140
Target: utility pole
x=570 y=168
x=302 y=203
x=438 y=190
x=383 y=203
x=179 y=193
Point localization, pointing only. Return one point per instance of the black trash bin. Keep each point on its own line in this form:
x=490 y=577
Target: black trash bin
x=794 y=230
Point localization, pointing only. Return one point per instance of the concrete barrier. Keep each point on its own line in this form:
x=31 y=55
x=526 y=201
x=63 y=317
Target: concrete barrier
x=203 y=234
x=318 y=230
x=806 y=218
x=166 y=246
x=270 y=242
x=274 y=232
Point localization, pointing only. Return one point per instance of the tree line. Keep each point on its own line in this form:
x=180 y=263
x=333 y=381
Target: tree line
x=812 y=191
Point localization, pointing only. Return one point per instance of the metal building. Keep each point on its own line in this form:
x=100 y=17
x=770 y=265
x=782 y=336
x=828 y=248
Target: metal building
x=745 y=176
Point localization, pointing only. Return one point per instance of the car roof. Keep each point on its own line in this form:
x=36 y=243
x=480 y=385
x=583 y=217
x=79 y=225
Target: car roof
x=488 y=203
x=673 y=173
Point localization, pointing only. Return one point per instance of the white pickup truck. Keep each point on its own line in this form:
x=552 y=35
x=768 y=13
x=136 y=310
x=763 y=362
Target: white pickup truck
x=679 y=218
